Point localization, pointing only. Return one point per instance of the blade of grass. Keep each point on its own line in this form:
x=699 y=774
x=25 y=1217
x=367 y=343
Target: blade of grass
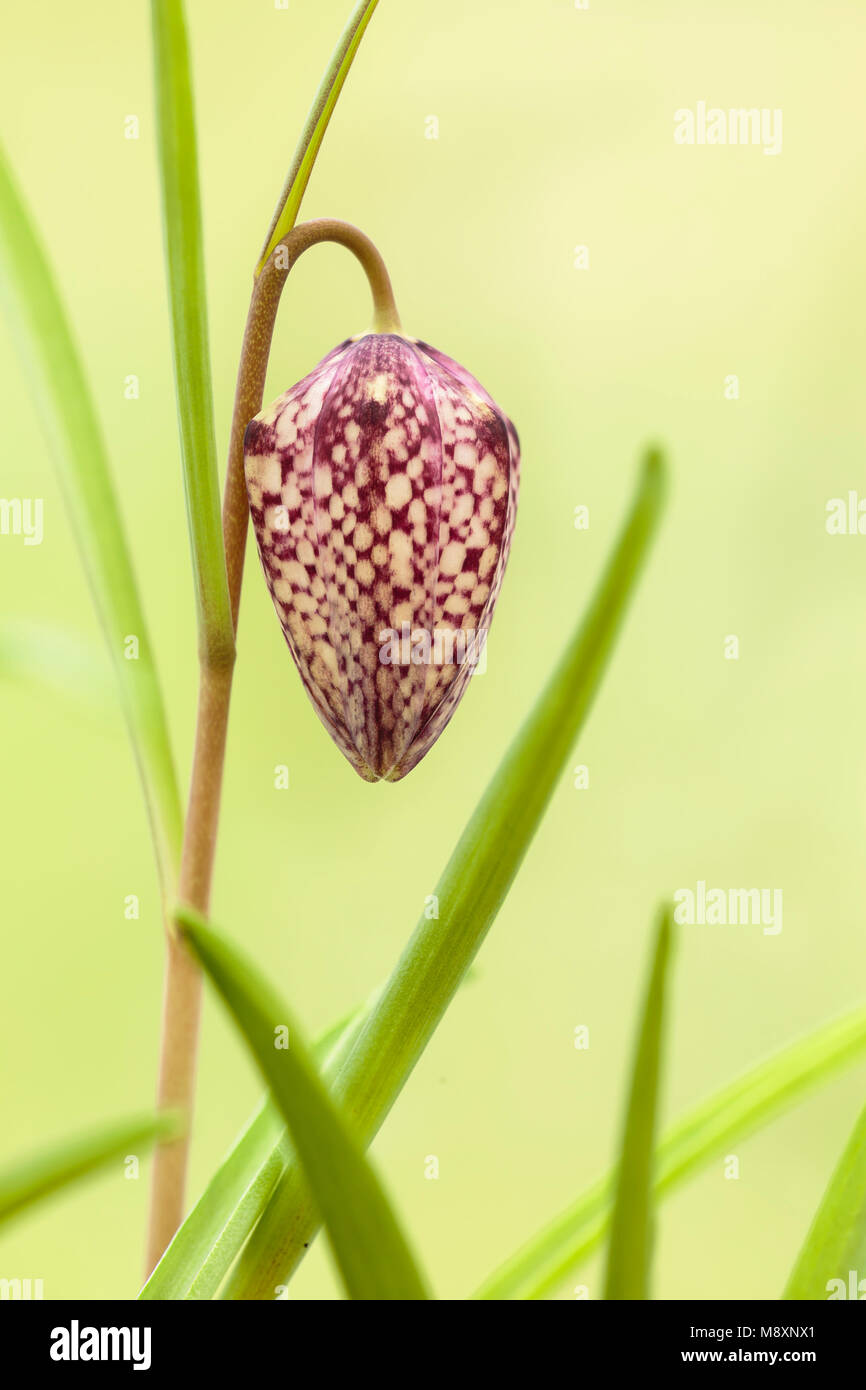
x=67 y=415
x=208 y=1241
x=288 y=205
x=204 y=1247
x=367 y=1243
x=746 y=1104
x=836 y=1242
x=37 y=1176
x=178 y=167
x=629 y=1249
x=471 y=891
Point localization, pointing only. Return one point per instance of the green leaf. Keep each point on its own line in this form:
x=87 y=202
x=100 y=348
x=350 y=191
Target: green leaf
x=368 y=1245
x=836 y=1242
x=766 y=1090
x=286 y=212
x=58 y=660
x=208 y=1241
x=178 y=168
x=470 y=893
x=630 y=1245
x=205 y=1245
x=30 y=1180
x=66 y=414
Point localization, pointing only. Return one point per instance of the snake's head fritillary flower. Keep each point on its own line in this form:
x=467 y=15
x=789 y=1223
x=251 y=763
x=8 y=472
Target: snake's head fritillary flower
x=383 y=490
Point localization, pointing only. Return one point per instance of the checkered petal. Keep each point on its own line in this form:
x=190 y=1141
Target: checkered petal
x=383 y=492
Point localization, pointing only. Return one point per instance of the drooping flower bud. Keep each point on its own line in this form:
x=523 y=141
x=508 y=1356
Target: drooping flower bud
x=383 y=490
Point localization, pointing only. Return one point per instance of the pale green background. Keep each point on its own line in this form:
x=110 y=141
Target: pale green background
x=556 y=128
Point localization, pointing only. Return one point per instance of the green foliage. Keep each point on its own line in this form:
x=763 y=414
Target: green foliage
x=37 y=1176
x=65 y=411
x=330 y=87
x=470 y=892
x=836 y=1242
x=368 y=1245
x=540 y=1266
x=631 y=1229
x=178 y=167
x=210 y=1238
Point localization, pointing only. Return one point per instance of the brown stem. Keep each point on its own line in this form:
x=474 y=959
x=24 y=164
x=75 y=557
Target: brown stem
x=182 y=984
x=267 y=289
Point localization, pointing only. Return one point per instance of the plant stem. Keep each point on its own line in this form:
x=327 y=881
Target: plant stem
x=182 y=985
x=259 y=332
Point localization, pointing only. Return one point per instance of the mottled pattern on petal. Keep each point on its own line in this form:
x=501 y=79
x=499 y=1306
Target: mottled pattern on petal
x=475 y=519
x=378 y=467
x=278 y=463
x=383 y=490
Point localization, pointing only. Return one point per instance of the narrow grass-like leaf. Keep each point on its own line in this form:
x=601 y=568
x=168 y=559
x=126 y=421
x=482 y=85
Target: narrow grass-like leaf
x=65 y=411
x=836 y=1242
x=470 y=893
x=629 y=1248
x=367 y=1243
x=39 y=654
x=204 y=1247
x=39 y=1175
x=208 y=1241
x=765 y=1091
x=286 y=212
x=178 y=167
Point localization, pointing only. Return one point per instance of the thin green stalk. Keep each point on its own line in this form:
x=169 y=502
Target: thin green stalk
x=330 y=87
x=66 y=413
x=178 y=167
x=629 y=1249
x=835 y=1246
x=39 y=1175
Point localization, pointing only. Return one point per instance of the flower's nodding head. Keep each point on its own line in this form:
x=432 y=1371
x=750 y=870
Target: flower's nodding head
x=383 y=490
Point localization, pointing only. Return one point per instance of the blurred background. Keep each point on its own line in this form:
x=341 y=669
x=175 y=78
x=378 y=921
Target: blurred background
x=555 y=131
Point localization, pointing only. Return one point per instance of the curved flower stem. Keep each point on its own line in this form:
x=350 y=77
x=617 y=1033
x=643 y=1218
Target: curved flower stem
x=259 y=332
x=182 y=989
